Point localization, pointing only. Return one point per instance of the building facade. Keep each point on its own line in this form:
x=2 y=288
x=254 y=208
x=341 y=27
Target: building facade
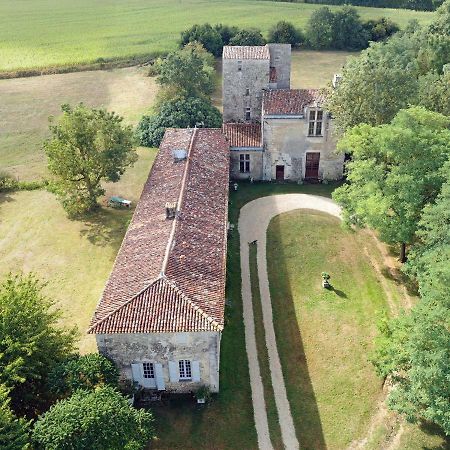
x=161 y=314
x=296 y=141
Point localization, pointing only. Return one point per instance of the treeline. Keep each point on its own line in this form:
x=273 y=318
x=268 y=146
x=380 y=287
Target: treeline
x=342 y=29
x=393 y=108
x=418 y=5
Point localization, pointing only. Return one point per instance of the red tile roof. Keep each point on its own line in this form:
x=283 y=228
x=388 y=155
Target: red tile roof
x=246 y=52
x=243 y=134
x=290 y=101
x=169 y=275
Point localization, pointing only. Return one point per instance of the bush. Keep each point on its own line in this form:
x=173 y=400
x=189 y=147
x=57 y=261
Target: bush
x=82 y=372
x=285 y=33
x=252 y=36
x=95 y=420
x=226 y=32
x=208 y=36
x=380 y=29
x=180 y=112
x=7 y=182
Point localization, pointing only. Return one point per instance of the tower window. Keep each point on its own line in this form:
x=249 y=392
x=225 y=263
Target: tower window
x=244 y=163
x=239 y=66
x=247 y=92
x=247 y=113
x=315 y=122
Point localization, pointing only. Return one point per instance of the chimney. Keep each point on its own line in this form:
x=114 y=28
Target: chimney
x=179 y=154
x=337 y=78
x=171 y=210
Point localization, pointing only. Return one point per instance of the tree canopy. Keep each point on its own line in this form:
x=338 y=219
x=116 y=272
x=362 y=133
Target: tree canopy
x=285 y=33
x=31 y=342
x=210 y=37
x=250 y=36
x=101 y=419
x=87 y=146
x=394 y=172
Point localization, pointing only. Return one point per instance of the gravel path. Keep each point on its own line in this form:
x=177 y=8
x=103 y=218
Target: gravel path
x=254 y=219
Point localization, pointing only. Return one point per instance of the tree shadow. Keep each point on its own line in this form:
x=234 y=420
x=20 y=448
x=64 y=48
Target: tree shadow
x=434 y=430
x=106 y=227
x=300 y=391
x=5 y=197
x=400 y=279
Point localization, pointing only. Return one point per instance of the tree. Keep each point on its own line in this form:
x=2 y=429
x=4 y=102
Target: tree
x=251 y=36
x=31 y=341
x=226 y=32
x=380 y=29
x=347 y=30
x=82 y=372
x=188 y=72
x=319 y=31
x=101 y=419
x=206 y=35
x=87 y=146
x=180 y=112
x=285 y=33
x=13 y=431
x=433 y=92
x=394 y=172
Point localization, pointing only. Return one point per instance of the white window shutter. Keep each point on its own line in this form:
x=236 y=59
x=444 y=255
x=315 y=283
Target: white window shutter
x=136 y=372
x=173 y=372
x=196 y=371
x=160 y=385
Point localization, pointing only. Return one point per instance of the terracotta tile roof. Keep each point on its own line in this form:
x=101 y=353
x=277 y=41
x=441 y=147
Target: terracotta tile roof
x=246 y=52
x=169 y=275
x=290 y=101
x=243 y=134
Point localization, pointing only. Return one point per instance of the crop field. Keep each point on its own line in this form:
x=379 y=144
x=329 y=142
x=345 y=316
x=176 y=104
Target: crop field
x=53 y=33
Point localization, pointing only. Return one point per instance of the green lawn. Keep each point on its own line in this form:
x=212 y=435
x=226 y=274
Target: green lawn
x=43 y=33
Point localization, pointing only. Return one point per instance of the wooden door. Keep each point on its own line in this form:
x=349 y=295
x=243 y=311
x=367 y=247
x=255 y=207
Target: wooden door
x=312 y=166
x=279 y=172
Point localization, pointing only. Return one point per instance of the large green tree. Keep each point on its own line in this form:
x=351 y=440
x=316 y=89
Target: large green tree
x=31 y=342
x=285 y=33
x=394 y=172
x=13 y=431
x=87 y=146
x=101 y=419
x=210 y=37
x=249 y=36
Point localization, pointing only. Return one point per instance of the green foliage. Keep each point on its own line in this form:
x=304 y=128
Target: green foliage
x=339 y=30
x=189 y=71
x=380 y=29
x=419 y=5
x=13 y=431
x=180 y=112
x=394 y=172
x=226 y=32
x=285 y=33
x=101 y=419
x=206 y=35
x=82 y=372
x=433 y=92
x=31 y=341
x=250 y=36
x=87 y=146
x=8 y=183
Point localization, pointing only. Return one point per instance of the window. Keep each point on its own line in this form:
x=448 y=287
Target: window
x=149 y=370
x=239 y=66
x=247 y=92
x=315 y=122
x=184 y=366
x=244 y=163
x=247 y=113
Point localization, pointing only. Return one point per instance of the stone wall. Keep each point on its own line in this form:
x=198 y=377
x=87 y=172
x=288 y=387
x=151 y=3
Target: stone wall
x=286 y=143
x=254 y=77
x=256 y=164
x=280 y=58
x=162 y=348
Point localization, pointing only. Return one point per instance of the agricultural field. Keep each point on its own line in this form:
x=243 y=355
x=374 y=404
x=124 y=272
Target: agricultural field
x=54 y=33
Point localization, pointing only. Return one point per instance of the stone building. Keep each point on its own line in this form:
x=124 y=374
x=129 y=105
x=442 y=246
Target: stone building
x=275 y=133
x=161 y=314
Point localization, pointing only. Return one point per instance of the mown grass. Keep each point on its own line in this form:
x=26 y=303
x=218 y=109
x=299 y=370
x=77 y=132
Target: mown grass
x=54 y=33
x=263 y=355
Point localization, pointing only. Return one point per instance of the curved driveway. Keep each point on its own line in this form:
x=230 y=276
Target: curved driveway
x=254 y=219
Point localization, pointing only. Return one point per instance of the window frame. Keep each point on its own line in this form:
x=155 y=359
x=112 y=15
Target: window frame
x=248 y=114
x=315 y=123
x=244 y=163
x=148 y=368
x=184 y=369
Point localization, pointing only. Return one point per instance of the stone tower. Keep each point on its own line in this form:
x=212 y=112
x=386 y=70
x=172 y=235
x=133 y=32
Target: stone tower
x=247 y=72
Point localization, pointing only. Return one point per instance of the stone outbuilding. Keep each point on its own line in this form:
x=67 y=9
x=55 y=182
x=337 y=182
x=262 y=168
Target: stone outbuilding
x=161 y=314
x=275 y=133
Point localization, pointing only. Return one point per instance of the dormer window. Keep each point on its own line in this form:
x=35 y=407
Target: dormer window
x=315 y=122
x=179 y=154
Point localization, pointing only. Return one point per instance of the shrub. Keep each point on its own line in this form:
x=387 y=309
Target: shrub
x=82 y=372
x=95 y=420
x=380 y=29
x=252 y=36
x=285 y=33
x=208 y=36
x=180 y=112
x=7 y=182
